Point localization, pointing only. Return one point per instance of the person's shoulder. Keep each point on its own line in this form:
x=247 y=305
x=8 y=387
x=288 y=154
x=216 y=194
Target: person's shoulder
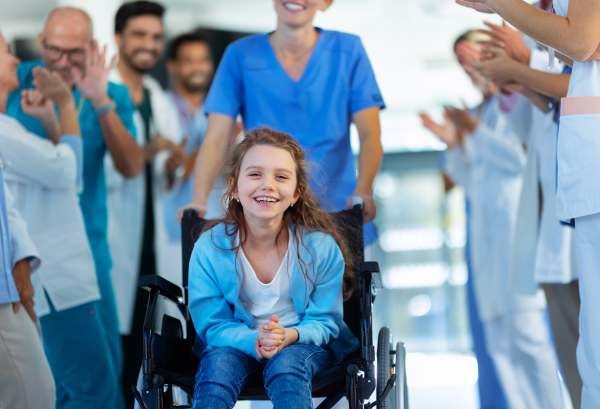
x=153 y=85
x=120 y=95
x=341 y=42
x=248 y=45
x=318 y=240
x=215 y=238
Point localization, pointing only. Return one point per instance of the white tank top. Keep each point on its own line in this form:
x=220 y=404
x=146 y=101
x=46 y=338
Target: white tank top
x=263 y=300
x=578 y=150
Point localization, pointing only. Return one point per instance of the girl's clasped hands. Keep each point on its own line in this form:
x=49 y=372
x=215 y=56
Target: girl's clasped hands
x=272 y=338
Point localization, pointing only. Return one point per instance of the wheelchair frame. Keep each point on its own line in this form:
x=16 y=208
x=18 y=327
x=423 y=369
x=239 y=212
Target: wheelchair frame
x=360 y=373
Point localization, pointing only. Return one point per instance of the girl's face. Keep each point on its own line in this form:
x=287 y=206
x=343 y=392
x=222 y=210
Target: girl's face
x=267 y=183
x=297 y=13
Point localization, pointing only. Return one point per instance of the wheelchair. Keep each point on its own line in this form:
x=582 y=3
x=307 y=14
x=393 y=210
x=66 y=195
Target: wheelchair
x=169 y=363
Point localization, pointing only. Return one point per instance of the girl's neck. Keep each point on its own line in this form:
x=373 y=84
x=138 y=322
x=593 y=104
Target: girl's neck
x=262 y=234
x=295 y=41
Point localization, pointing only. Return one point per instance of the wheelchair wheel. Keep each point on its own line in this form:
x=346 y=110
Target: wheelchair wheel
x=385 y=367
x=401 y=392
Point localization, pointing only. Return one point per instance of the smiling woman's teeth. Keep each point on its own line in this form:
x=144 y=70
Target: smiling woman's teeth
x=292 y=6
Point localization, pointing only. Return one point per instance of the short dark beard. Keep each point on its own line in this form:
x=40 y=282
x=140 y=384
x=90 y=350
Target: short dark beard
x=134 y=66
x=193 y=88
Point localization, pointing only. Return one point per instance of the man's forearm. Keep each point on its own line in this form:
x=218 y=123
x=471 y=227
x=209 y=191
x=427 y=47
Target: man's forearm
x=126 y=154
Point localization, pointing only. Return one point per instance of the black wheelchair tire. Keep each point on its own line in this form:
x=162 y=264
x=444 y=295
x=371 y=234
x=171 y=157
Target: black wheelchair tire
x=385 y=366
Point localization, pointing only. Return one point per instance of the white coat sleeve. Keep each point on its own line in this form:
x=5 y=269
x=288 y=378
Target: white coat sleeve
x=456 y=166
x=499 y=147
x=169 y=128
x=39 y=161
x=21 y=243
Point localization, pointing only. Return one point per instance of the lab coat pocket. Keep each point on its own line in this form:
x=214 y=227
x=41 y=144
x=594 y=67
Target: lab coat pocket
x=68 y=273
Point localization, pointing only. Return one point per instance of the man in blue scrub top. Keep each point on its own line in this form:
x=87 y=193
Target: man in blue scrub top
x=310 y=83
x=106 y=121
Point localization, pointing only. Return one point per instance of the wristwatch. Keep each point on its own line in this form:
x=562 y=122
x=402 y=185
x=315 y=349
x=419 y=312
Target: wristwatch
x=105 y=109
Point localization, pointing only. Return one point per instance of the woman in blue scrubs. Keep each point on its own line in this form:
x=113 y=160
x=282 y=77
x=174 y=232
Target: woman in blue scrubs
x=310 y=83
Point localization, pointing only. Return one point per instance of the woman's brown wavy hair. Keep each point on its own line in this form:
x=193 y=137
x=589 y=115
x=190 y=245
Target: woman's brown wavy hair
x=306 y=214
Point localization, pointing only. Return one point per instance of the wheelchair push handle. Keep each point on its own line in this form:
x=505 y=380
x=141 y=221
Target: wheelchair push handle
x=357 y=202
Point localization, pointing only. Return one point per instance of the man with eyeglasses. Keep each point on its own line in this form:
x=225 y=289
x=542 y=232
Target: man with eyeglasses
x=106 y=121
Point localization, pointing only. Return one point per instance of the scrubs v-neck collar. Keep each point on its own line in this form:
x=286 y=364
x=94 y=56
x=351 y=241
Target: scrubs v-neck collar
x=309 y=64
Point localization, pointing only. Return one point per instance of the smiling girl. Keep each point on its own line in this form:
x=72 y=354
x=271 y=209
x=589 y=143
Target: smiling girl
x=267 y=281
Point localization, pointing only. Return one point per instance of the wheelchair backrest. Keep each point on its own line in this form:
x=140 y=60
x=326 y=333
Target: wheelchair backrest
x=349 y=221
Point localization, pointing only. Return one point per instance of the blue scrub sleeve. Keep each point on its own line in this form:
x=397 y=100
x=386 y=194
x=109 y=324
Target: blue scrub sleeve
x=125 y=108
x=226 y=92
x=364 y=89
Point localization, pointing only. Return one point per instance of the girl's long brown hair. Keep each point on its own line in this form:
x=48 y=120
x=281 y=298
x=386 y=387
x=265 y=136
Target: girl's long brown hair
x=306 y=214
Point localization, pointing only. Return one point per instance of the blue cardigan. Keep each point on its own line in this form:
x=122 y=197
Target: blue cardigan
x=220 y=318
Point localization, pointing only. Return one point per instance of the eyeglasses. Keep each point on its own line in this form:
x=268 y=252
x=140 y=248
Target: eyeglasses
x=53 y=53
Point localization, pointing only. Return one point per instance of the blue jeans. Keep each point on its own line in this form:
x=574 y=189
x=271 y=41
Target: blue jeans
x=288 y=376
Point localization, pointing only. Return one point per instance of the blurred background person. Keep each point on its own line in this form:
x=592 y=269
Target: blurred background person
x=574 y=32
x=137 y=234
x=544 y=251
x=25 y=375
x=106 y=121
x=487 y=158
x=45 y=177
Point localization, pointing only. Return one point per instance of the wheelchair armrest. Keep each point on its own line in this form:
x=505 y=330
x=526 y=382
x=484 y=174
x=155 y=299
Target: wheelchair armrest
x=164 y=287
x=372 y=268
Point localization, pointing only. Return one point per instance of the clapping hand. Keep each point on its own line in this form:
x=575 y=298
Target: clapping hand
x=93 y=84
x=271 y=337
x=461 y=118
x=499 y=69
x=476 y=5
x=37 y=106
x=51 y=86
x=446 y=131
x=510 y=39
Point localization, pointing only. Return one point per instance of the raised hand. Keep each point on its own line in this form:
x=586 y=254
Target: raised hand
x=445 y=132
x=475 y=5
x=511 y=40
x=499 y=69
x=462 y=119
x=93 y=84
x=51 y=86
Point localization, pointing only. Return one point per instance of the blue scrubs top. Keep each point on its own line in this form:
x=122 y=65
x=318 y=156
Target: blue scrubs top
x=93 y=198
x=316 y=110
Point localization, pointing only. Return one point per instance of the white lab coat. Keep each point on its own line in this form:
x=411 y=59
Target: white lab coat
x=43 y=179
x=126 y=205
x=543 y=250
x=490 y=169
